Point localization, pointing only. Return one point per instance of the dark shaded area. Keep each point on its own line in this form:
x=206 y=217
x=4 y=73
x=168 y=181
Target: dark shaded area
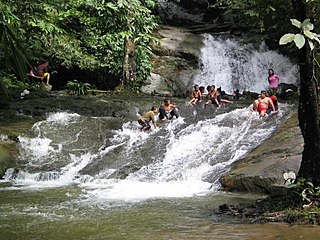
x=99 y=78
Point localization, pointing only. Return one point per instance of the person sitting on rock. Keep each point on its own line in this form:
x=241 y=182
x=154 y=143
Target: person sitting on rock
x=196 y=95
x=41 y=73
x=213 y=96
x=146 y=118
x=168 y=110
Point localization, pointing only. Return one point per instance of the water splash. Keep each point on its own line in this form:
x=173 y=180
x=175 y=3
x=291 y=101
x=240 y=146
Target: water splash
x=228 y=64
x=192 y=158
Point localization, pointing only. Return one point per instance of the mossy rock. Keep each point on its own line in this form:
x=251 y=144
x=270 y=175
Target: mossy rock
x=6 y=159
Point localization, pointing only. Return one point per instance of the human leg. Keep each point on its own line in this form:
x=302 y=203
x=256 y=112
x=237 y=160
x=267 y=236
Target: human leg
x=255 y=105
x=162 y=113
x=174 y=113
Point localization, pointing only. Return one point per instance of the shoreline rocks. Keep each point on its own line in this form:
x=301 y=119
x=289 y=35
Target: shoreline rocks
x=262 y=169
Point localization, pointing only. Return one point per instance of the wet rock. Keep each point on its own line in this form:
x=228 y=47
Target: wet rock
x=287 y=91
x=250 y=95
x=155 y=85
x=176 y=62
x=6 y=159
x=262 y=170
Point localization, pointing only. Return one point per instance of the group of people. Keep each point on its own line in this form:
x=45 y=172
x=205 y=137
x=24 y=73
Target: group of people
x=167 y=111
x=266 y=103
x=213 y=96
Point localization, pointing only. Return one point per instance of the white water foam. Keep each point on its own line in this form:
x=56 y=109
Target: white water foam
x=194 y=158
x=228 y=64
x=193 y=155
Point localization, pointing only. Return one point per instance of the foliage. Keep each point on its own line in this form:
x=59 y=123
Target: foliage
x=12 y=55
x=84 y=34
x=308 y=192
x=78 y=88
x=300 y=38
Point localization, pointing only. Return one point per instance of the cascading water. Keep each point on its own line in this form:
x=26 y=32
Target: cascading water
x=228 y=64
x=182 y=159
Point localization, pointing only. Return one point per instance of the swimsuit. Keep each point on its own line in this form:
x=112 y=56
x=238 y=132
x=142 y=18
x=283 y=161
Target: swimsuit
x=261 y=108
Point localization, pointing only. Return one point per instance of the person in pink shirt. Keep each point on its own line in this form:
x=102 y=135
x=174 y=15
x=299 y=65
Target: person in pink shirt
x=273 y=80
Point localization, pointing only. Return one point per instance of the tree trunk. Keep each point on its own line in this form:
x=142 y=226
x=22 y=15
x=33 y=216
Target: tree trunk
x=129 y=64
x=309 y=112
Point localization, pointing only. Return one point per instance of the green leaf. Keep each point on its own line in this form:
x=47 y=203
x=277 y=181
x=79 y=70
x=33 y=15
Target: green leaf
x=299 y=40
x=307 y=25
x=309 y=34
x=287 y=38
x=272 y=8
x=311 y=45
x=317 y=39
x=295 y=22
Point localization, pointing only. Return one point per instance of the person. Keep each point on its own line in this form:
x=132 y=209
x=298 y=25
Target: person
x=146 y=118
x=220 y=95
x=274 y=99
x=196 y=95
x=273 y=80
x=262 y=104
x=213 y=96
x=42 y=72
x=236 y=94
x=168 y=110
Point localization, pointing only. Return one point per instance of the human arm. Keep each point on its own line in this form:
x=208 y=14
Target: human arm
x=153 y=119
x=270 y=102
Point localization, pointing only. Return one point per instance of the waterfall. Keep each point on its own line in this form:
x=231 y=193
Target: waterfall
x=228 y=64
x=184 y=158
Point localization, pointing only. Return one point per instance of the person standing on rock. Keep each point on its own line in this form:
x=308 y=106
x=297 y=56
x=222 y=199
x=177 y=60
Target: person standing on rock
x=168 y=110
x=146 y=118
x=273 y=80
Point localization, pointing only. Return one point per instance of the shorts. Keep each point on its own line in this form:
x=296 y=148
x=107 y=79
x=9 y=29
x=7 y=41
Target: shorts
x=261 y=108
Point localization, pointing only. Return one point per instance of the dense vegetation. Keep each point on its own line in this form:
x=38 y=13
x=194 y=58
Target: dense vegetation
x=86 y=35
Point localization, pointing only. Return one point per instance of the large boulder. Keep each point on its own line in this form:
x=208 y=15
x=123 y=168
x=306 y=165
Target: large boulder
x=262 y=170
x=176 y=61
x=6 y=157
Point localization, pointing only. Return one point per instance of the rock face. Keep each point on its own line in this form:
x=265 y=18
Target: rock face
x=262 y=170
x=6 y=157
x=176 y=61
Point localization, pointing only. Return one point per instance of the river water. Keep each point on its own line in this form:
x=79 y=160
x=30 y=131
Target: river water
x=82 y=177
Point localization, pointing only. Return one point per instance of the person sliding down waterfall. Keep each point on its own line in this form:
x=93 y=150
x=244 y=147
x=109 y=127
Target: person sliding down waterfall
x=146 y=118
x=168 y=110
x=262 y=104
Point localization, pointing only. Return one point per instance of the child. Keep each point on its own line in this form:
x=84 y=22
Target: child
x=196 y=95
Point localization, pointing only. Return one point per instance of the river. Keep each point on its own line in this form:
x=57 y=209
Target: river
x=85 y=177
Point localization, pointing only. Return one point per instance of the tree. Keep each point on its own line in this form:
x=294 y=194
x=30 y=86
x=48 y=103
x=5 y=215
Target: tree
x=89 y=35
x=309 y=101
